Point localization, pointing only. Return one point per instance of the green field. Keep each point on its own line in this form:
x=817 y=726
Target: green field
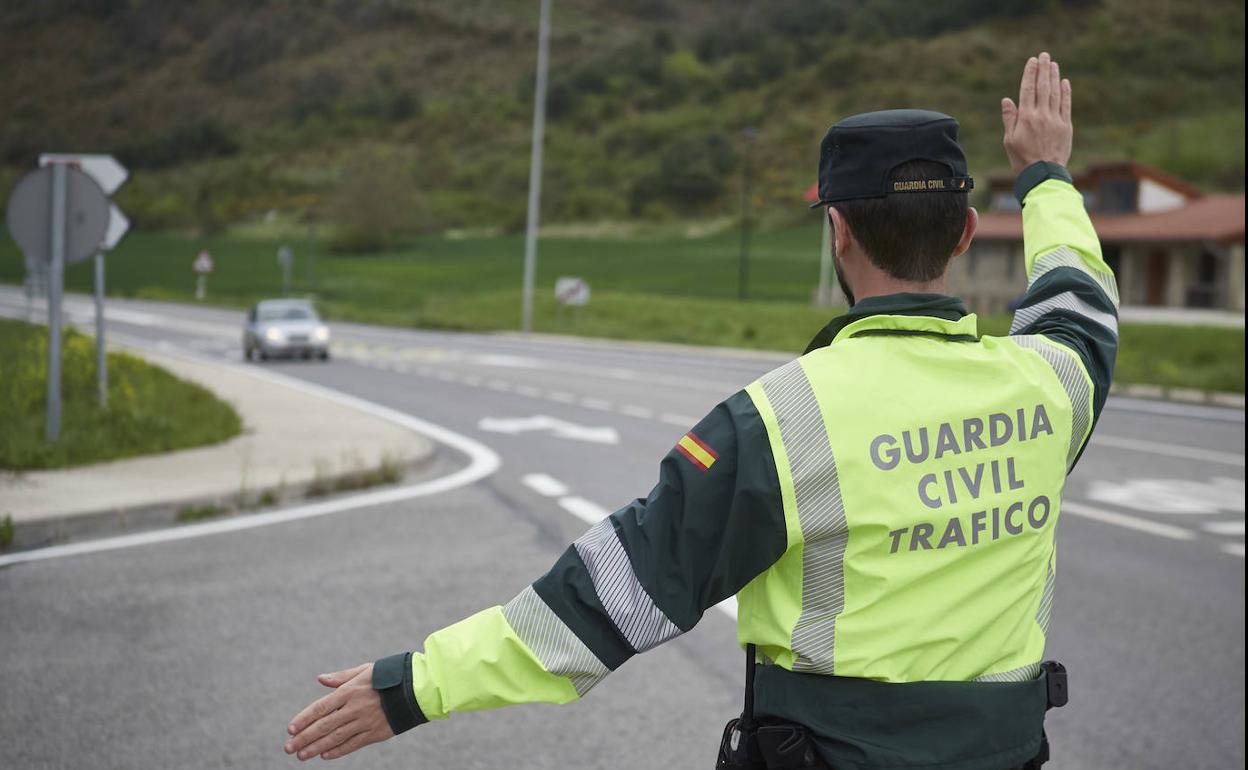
x=651 y=285
x=149 y=409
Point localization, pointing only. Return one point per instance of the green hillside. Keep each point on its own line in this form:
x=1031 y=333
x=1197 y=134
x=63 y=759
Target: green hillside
x=403 y=116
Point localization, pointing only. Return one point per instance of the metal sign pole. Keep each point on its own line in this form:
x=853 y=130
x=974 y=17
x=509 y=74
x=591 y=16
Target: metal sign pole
x=535 y=168
x=101 y=358
x=56 y=274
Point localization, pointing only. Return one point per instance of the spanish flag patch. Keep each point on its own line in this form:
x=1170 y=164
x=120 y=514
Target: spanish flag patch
x=697 y=451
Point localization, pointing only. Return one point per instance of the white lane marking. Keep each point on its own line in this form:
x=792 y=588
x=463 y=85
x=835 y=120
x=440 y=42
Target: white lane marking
x=473 y=380
x=1169 y=450
x=680 y=420
x=1127 y=521
x=1234 y=549
x=1171 y=496
x=499 y=385
x=483 y=461
x=529 y=390
x=596 y=403
x=632 y=410
x=561 y=396
x=544 y=485
x=585 y=510
x=1225 y=527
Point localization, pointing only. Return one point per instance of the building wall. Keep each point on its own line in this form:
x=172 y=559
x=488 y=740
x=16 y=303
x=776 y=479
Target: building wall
x=990 y=276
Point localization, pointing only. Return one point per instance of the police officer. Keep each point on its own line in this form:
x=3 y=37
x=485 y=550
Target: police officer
x=883 y=507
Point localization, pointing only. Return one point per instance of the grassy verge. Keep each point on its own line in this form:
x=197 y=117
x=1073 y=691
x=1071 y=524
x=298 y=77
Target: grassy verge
x=651 y=284
x=149 y=409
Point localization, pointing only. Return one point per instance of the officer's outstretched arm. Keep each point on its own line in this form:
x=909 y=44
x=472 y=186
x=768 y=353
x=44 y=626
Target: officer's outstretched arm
x=636 y=579
x=1072 y=298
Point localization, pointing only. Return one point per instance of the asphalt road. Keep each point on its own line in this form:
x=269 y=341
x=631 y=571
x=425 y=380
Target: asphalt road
x=194 y=653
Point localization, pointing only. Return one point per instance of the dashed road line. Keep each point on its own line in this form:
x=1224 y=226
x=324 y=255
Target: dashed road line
x=585 y=510
x=560 y=396
x=1224 y=527
x=596 y=403
x=679 y=420
x=544 y=485
x=632 y=410
x=1234 y=549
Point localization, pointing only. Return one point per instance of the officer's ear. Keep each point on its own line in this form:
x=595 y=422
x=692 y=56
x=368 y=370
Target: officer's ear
x=843 y=237
x=968 y=232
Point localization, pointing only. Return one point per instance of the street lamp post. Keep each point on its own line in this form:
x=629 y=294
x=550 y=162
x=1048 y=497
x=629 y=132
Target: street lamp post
x=535 y=168
x=743 y=272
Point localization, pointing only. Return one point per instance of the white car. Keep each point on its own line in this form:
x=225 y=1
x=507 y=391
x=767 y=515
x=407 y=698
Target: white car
x=285 y=327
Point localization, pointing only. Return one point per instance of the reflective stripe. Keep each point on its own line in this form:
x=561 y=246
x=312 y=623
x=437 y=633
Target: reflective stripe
x=1021 y=674
x=1067 y=300
x=632 y=610
x=559 y=650
x=1069 y=370
x=1065 y=256
x=820 y=512
x=1045 y=612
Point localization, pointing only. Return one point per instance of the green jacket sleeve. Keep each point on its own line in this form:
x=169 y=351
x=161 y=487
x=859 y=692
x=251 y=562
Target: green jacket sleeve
x=1072 y=296
x=638 y=578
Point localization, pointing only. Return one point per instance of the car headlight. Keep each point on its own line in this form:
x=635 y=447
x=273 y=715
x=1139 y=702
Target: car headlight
x=274 y=334
x=321 y=334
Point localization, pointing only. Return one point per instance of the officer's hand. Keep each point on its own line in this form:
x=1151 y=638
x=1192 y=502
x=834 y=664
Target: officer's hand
x=1038 y=127
x=347 y=719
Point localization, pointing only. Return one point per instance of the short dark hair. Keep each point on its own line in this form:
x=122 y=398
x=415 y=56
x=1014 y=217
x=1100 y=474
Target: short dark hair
x=910 y=236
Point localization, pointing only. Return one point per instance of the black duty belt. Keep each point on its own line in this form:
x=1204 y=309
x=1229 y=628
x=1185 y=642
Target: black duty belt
x=750 y=743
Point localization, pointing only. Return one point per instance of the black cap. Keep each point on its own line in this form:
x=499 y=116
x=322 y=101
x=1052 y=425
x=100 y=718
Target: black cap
x=859 y=153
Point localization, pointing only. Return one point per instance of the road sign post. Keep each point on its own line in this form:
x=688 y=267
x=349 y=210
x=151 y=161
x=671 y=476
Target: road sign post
x=56 y=241
x=109 y=175
x=535 y=168
x=202 y=266
x=285 y=258
x=56 y=215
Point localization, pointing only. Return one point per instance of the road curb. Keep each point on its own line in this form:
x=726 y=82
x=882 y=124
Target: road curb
x=57 y=530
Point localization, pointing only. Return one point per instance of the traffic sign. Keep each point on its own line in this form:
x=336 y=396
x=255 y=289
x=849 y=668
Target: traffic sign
x=29 y=215
x=203 y=263
x=104 y=169
x=118 y=226
x=572 y=291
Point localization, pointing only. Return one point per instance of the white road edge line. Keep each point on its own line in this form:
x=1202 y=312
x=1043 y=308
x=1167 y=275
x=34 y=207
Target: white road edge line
x=483 y=461
x=1234 y=549
x=1126 y=521
x=1168 y=450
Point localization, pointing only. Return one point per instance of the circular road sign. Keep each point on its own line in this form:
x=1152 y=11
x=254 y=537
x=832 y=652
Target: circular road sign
x=29 y=215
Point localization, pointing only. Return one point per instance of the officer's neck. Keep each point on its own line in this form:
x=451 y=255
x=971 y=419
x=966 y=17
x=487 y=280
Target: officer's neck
x=873 y=282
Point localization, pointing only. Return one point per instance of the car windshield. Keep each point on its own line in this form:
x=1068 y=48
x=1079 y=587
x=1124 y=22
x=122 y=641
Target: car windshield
x=286 y=314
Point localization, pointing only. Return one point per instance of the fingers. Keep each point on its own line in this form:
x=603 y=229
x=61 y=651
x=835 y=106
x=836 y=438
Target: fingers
x=1065 y=109
x=316 y=711
x=1027 y=88
x=1055 y=87
x=1009 y=115
x=335 y=738
x=1043 y=81
x=339 y=678
x=359 y=741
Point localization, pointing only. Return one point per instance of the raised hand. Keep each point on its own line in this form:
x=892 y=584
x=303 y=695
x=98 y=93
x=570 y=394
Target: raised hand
x=1038 y=127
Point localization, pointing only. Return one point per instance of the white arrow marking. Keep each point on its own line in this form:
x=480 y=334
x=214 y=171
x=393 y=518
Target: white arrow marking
x=558 y=428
